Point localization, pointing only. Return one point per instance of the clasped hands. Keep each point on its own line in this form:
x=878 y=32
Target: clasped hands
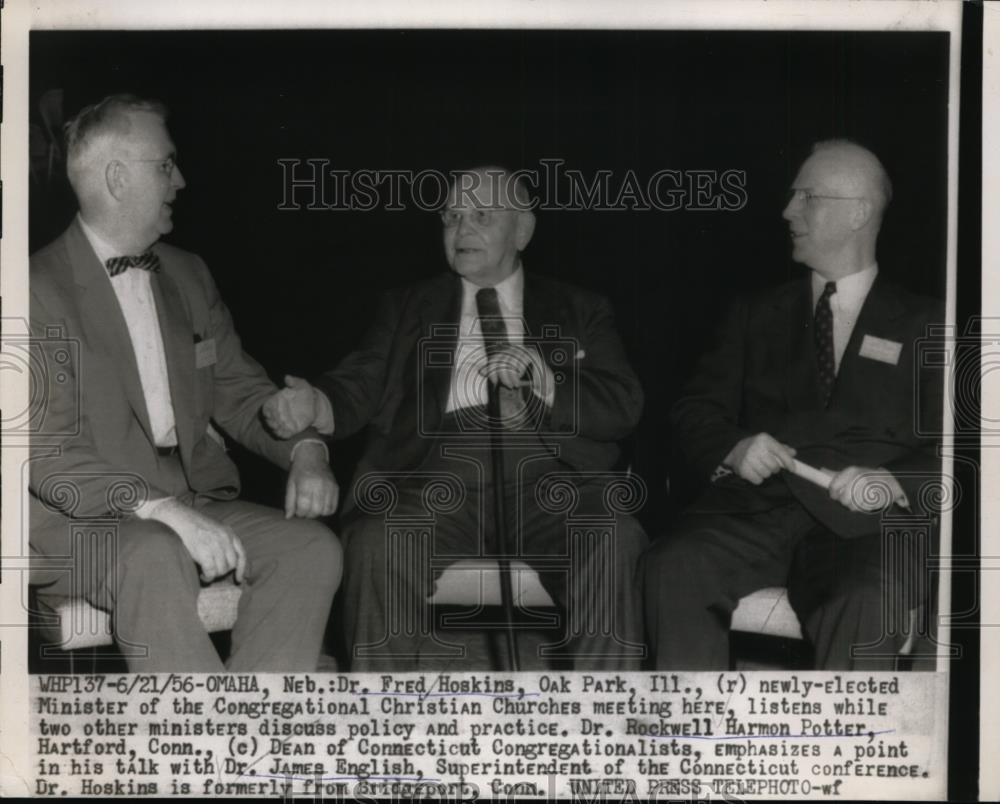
x=508 y=364
x=297 y=406
x=861 y=489
x=292 y=409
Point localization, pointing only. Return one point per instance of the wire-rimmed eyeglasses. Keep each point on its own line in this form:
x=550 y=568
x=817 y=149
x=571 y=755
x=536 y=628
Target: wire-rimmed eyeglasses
x=165 y=166
x=810 y=197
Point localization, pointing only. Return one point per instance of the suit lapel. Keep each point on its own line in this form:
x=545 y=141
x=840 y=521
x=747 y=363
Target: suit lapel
x=102 y=321
x=877 y=313
x=802 y=376
x=440 y=311
x=543 y=310
x=178 y=345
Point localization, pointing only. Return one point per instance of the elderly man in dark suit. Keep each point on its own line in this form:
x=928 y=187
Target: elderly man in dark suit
x=822 y=373
x=155 y=362
x=419 y=382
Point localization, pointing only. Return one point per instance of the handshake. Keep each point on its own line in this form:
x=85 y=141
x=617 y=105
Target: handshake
x=295 y=408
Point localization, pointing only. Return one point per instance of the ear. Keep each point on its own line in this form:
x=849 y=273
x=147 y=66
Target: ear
x=116 y=178
x=525 y=229
x=863 y=211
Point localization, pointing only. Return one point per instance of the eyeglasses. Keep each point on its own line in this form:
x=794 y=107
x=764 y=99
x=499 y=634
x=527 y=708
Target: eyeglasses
x=811 y=198
x=165 y=166
x=480 y=217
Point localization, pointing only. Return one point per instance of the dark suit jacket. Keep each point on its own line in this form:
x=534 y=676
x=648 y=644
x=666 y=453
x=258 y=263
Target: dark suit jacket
x=95 y=441
x=398 y=380
x=761 y=376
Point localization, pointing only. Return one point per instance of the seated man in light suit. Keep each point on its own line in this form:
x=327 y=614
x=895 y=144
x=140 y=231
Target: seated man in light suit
x=156 y=361
x=417 y=409
x=826 y=371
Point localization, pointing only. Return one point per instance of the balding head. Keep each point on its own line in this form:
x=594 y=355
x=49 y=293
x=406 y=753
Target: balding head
x=861 y=169
x=487 y=224
x=836 y=207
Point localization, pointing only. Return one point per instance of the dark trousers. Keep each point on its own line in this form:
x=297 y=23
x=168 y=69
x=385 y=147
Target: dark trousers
x=849 y=601
x=387 y=582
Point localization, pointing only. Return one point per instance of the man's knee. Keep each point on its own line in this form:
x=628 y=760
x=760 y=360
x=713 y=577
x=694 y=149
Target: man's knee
x=630 y=537
x=630 y=541
x=674 y=554
x=375 y=560
x=366 y=544
x=314 y=550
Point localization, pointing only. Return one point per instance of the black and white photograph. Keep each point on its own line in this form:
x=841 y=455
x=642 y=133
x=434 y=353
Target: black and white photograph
x=490 y=407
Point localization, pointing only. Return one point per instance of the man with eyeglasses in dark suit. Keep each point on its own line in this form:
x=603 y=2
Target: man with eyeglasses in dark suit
x=418 y=382
x=804 y=416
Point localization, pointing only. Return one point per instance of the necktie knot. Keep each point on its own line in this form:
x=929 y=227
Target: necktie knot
x=147 y=261
x=487 y=302
x=828 y=290
x=491 y=322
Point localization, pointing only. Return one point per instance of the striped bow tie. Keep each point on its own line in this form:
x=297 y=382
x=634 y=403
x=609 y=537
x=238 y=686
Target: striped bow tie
x=147 y=261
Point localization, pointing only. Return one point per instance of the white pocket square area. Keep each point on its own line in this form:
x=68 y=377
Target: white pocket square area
x=885 y=351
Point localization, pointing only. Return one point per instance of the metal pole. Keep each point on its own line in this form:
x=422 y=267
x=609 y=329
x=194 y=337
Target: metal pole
x=501 y=542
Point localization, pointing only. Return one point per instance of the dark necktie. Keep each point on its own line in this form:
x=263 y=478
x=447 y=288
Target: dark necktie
x=147 y=261
x=491 y=324
x=491 y=321
x=823 y=334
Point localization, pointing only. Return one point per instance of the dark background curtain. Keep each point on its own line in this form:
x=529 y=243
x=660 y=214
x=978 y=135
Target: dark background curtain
x=302 y=284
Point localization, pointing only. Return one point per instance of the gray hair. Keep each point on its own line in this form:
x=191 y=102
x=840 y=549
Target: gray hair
x=510 y=183
x=93 y=124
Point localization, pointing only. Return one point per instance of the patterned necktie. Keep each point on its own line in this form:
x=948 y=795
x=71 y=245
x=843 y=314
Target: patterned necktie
x=823 y=335
x=490 y=320
x=147 y=261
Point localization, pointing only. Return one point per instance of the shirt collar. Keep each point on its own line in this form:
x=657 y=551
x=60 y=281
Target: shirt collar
x=102 y=247
x=510 y=292
x=852 y=290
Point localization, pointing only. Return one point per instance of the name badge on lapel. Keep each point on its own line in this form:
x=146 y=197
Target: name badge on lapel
x=204 y=353
x=880 y=349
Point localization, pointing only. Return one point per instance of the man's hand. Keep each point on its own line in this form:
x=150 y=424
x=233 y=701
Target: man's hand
x=215 y=547
x=292 y=409
x=312 y=489
x=756 y=458
x=865 y=489
x=508 y=364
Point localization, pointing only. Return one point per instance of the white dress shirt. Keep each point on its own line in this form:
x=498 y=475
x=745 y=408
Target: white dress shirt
x=852 y=290
x=468 y=387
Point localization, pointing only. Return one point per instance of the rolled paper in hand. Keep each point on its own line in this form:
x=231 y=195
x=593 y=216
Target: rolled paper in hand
x=813 y=475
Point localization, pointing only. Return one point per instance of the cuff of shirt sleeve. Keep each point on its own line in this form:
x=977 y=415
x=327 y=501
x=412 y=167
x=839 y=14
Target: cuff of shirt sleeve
x=898 y=494
x=324 y=413
x=326 y=451
x=720 y=472
x=148 y=509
